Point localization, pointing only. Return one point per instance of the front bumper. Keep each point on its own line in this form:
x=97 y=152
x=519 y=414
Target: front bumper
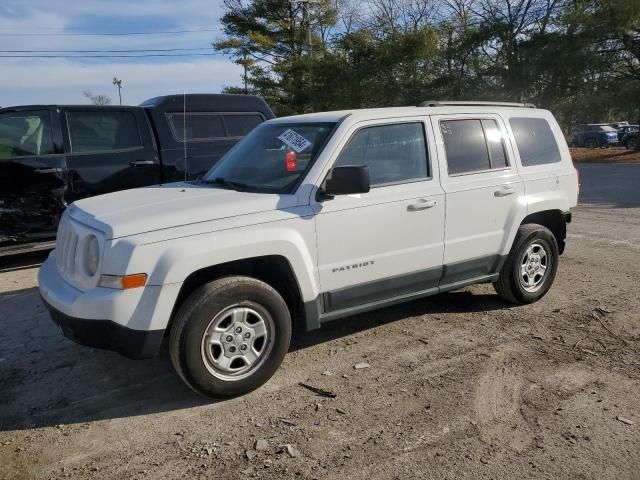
x=108 y=335
x=131 y=322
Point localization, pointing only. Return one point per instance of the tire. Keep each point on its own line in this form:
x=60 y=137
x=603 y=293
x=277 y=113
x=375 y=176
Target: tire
x=218 y=320
x=631 y=143
x=511 y=282
x=590 y=143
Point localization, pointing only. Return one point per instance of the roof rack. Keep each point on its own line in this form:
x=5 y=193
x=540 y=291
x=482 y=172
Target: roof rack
x=465 y=103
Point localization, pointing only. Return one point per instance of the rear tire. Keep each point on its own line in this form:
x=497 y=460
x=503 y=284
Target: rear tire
x=631 y=143
x=530 y=267
x=230 y=336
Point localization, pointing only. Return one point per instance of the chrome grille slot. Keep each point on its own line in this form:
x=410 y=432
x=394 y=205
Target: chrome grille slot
x=66 y=245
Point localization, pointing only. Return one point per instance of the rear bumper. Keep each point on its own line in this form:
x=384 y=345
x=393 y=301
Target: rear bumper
x=108 y=335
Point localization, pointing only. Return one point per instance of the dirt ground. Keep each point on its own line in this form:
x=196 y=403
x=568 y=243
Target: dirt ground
x=610 y=155
x=460 y=385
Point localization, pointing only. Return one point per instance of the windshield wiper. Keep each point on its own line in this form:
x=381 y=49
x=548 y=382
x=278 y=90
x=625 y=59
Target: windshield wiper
x=227 y=183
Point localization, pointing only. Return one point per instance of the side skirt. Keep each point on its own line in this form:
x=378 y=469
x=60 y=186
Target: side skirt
x=391 y=291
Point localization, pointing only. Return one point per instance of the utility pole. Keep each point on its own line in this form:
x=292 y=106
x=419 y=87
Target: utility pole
x=306 y=20
x=118 y=83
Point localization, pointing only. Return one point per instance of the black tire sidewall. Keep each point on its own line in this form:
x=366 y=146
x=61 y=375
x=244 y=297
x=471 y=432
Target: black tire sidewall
x=546 y=238
x=250 y=294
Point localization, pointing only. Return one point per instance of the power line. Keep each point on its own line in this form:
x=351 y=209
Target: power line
x=118 y=56
x=110 y=51
x=101 y=34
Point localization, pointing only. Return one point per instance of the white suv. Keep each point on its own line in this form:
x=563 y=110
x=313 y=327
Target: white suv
x=312 y=218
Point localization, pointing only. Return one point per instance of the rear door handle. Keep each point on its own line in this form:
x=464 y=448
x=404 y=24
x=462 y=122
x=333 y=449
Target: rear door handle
x=505 y=191
x=422 y=205
x=138 y=163
x=48 y=170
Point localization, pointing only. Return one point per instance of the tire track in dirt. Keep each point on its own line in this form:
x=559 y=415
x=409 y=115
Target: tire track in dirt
x=497 y=403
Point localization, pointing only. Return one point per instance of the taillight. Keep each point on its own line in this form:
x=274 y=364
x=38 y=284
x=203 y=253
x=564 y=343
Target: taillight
x=291 y=161
x=578 y=179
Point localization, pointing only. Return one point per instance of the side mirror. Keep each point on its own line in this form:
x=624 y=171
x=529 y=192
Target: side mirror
x=347 y=180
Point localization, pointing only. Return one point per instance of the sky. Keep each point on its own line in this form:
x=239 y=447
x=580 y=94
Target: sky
x=47 y=25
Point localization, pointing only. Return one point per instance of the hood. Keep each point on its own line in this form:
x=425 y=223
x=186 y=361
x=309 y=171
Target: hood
x=141 y=210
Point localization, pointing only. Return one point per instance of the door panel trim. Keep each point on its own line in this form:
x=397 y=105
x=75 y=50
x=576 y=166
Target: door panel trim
x=476 y=267
x=421 y=283
x=381 y=289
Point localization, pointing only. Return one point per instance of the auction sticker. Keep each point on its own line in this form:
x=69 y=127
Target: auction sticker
x=294 y=140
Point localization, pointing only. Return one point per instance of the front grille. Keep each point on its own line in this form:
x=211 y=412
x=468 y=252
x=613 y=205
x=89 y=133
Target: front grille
x=66 y=245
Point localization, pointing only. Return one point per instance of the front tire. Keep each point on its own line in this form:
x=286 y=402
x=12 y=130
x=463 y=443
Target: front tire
x=530 y=268
x=230 y=336
x=631 y=143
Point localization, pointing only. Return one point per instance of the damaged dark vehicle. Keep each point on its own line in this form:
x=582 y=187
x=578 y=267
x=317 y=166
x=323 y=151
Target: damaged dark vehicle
x=52 y=155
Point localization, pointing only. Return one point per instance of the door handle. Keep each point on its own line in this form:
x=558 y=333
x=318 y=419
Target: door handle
x=422 y=205
x=139 y=163
x=48 y=170
x=503 y=192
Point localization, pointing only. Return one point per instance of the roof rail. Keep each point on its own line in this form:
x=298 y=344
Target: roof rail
x=466 y=103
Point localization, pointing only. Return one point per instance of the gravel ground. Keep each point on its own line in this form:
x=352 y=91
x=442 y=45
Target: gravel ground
x=460 y=385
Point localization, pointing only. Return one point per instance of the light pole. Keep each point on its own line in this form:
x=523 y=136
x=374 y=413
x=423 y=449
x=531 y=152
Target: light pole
x=118 y=83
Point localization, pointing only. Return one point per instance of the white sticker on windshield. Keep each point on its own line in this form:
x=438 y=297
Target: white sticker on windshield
x=294 y=140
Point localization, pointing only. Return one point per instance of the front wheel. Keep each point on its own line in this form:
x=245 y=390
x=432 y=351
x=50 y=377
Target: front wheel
x=530 y=268
x=631 y=143
x=230 y=336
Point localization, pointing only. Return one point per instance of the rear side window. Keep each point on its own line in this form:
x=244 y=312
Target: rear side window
x=394 y=153
x=473 y=145
x=197 y=126
x=535 y=140
x=24 y=134
x=239 y=124
x=202 y=126
x=102 y=131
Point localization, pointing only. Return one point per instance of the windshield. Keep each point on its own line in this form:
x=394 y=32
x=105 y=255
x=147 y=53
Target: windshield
x=272 y=158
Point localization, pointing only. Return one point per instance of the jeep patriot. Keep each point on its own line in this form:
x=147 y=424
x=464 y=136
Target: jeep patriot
x=309 y=219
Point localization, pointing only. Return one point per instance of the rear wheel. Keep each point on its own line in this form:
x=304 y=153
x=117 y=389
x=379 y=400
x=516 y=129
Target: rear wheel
x=230 y=336
x=531 y=266
x=631 y=143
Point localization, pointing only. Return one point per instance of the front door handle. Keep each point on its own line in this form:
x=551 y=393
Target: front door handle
x=138 y=163
x=48 y=170
x=503 y=192
x=422 y=205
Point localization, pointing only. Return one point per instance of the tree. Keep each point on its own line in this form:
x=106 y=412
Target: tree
x=97 y=99
x=580 y=58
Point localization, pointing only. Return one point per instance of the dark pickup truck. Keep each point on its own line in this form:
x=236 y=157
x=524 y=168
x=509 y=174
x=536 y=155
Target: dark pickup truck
x=51 y=155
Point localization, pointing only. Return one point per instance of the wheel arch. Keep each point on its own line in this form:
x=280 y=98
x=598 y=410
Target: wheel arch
x=274 y=270
x=554 y=220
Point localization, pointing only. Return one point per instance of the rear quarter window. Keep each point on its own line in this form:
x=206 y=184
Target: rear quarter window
x=535 y=140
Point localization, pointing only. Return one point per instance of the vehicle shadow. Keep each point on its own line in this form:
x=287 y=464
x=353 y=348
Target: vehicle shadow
x=48 y=380
x=13 y=263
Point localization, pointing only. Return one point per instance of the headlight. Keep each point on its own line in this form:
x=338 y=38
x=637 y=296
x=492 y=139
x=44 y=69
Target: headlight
x=91 y=255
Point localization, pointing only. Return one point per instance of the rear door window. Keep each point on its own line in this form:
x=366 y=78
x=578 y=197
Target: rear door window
x=535 y=140
x=473 y=145
x=98 y=131
x=24 y=134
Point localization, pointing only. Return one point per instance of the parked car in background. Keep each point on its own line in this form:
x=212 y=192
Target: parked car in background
x=622 y=131
x=630 y=140
x=593 y=135
x=52 y=155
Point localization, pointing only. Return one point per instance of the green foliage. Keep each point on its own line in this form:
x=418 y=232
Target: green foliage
x=579 y=58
